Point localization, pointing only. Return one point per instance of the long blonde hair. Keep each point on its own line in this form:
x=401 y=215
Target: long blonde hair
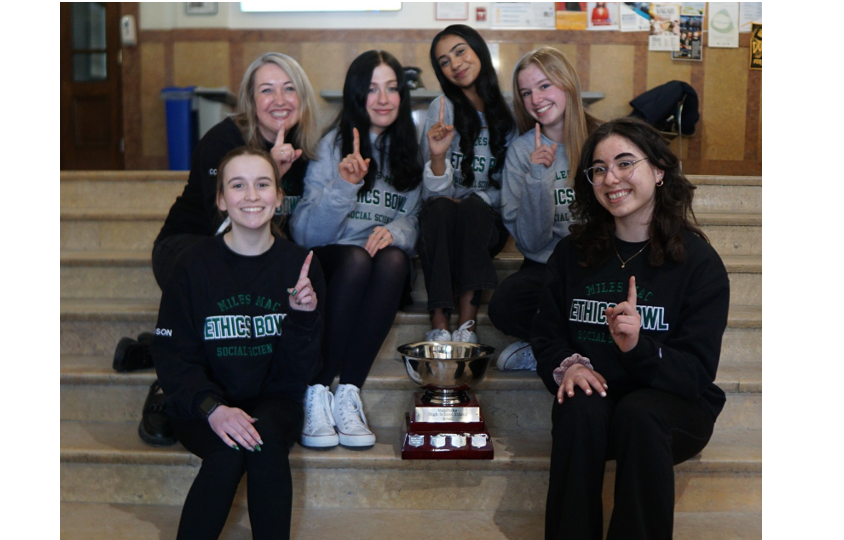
x=305 y=136
x=578 y=122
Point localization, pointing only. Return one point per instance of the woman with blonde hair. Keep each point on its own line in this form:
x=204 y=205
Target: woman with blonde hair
x=277 y=114
x=536 y=190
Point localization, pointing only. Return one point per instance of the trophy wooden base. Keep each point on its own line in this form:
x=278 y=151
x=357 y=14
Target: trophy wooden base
x=446 y=432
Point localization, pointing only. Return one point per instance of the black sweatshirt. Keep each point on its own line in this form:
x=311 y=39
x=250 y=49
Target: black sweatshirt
x=195 y=210
x=684 y=309
x=225 y=327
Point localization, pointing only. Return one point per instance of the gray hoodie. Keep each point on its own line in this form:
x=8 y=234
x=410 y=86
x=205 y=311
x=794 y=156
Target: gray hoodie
x=450 y=184
x=332 y=211
x=535 y=199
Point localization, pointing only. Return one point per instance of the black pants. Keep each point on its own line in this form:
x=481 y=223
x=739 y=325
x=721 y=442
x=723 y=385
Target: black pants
x=362 y=298
x=269 y=482
x=516 y=299
x=647 y=432
x=456 y=245
x=166 y=252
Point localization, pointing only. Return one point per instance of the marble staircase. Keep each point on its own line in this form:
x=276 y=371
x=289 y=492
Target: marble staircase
x=115 y=486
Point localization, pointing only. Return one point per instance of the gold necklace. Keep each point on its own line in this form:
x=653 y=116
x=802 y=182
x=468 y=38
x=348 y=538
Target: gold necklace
x=623 y=262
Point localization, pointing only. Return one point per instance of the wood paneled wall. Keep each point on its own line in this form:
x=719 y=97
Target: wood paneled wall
x=728 y=139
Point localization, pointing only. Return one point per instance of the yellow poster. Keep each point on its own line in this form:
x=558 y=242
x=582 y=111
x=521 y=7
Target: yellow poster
x=756 y=46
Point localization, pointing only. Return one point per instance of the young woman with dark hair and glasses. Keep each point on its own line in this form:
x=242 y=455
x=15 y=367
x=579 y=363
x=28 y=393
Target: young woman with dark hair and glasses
x=628 y=338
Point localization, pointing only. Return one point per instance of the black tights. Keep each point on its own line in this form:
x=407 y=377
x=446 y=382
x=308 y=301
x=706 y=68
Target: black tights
x=362 y=298
x=269 y=485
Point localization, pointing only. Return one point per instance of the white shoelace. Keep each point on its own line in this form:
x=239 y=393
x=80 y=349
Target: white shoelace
x=459 y=334
x=322 y=401
x=527 y=360
x=354 y=405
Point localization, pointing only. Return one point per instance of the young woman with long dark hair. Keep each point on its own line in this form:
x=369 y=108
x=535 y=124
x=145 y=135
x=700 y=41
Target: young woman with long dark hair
x=359 y=214
x=628 y=338
x=466 y=136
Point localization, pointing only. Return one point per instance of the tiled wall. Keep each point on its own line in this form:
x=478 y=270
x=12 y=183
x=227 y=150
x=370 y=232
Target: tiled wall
x=728 y=139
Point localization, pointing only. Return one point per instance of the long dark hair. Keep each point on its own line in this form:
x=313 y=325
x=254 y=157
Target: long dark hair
x=498 y=116
x=403 y=150
x=594 y=232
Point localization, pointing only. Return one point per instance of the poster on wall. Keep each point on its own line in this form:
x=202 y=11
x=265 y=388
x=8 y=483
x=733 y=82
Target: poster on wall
x=749 y=13
x=691 y=32
x=602 y=15
x=634 y=16
x=452 y=11
x=665 y=27
x=570 y=15
x=723 y=24
x=523 y=15
x=756 y=46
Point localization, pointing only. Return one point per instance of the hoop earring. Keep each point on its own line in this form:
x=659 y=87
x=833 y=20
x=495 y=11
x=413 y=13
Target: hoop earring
x=659 y=183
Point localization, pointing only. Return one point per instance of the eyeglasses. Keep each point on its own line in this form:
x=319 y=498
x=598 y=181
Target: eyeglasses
x=622 y=170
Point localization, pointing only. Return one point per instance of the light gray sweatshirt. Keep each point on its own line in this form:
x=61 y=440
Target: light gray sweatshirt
x=535 y=199
x=333 y=211
x=450 y=184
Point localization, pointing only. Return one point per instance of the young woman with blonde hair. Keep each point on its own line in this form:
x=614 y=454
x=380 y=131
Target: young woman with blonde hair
x=537 y=189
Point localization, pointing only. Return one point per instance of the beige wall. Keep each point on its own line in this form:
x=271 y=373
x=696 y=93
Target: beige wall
x=728 y=138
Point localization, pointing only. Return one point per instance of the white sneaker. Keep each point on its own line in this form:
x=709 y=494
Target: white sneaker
x=463 y=333
x=318 y=431
x=351 y=421
x=515 y=356
x=438 y=334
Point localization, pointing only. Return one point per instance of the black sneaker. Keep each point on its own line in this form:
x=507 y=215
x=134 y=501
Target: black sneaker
x=131 y=355
x=154 y=428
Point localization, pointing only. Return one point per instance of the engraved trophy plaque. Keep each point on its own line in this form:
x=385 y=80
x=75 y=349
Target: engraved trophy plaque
x=445 y=422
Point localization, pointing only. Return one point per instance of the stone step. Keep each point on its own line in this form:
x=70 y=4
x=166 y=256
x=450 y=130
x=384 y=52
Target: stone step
x=92 y=391
x=128 y=275
x=158 y=190
x=93 y=328
x=115 y=229
x=105 y=462
x=102 y=521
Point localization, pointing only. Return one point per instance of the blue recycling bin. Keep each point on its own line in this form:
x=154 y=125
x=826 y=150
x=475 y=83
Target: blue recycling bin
x=181 y=126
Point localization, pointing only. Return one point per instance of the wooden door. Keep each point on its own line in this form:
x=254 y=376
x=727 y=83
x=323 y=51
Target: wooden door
x=91 y=89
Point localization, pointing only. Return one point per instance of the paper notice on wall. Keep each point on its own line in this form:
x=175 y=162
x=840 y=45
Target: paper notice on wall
x=749 y=13
x=665 y=27
x=602 y=15
x=634 y=17
x=570 y=15
x=723 y=24
x=691 y=32
x=523 y=15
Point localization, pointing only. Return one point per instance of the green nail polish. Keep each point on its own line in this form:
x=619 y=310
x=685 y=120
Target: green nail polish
x=258 y=447
x=293 y=292
x=236 y=447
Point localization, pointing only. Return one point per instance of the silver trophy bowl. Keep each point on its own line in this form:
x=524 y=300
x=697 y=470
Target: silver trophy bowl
x=446 y=369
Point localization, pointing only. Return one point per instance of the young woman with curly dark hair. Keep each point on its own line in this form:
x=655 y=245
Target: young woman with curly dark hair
x=628 y=338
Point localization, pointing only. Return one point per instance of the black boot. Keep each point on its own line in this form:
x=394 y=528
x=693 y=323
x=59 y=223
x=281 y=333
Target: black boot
x=154 y=428
x=131 y=355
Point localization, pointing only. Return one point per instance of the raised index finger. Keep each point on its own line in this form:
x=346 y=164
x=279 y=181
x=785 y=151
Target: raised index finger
x=631 y=292
x=442 y=109
x=538 y=136
x=279 y=138
x=355 y=141
x=306 y=267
